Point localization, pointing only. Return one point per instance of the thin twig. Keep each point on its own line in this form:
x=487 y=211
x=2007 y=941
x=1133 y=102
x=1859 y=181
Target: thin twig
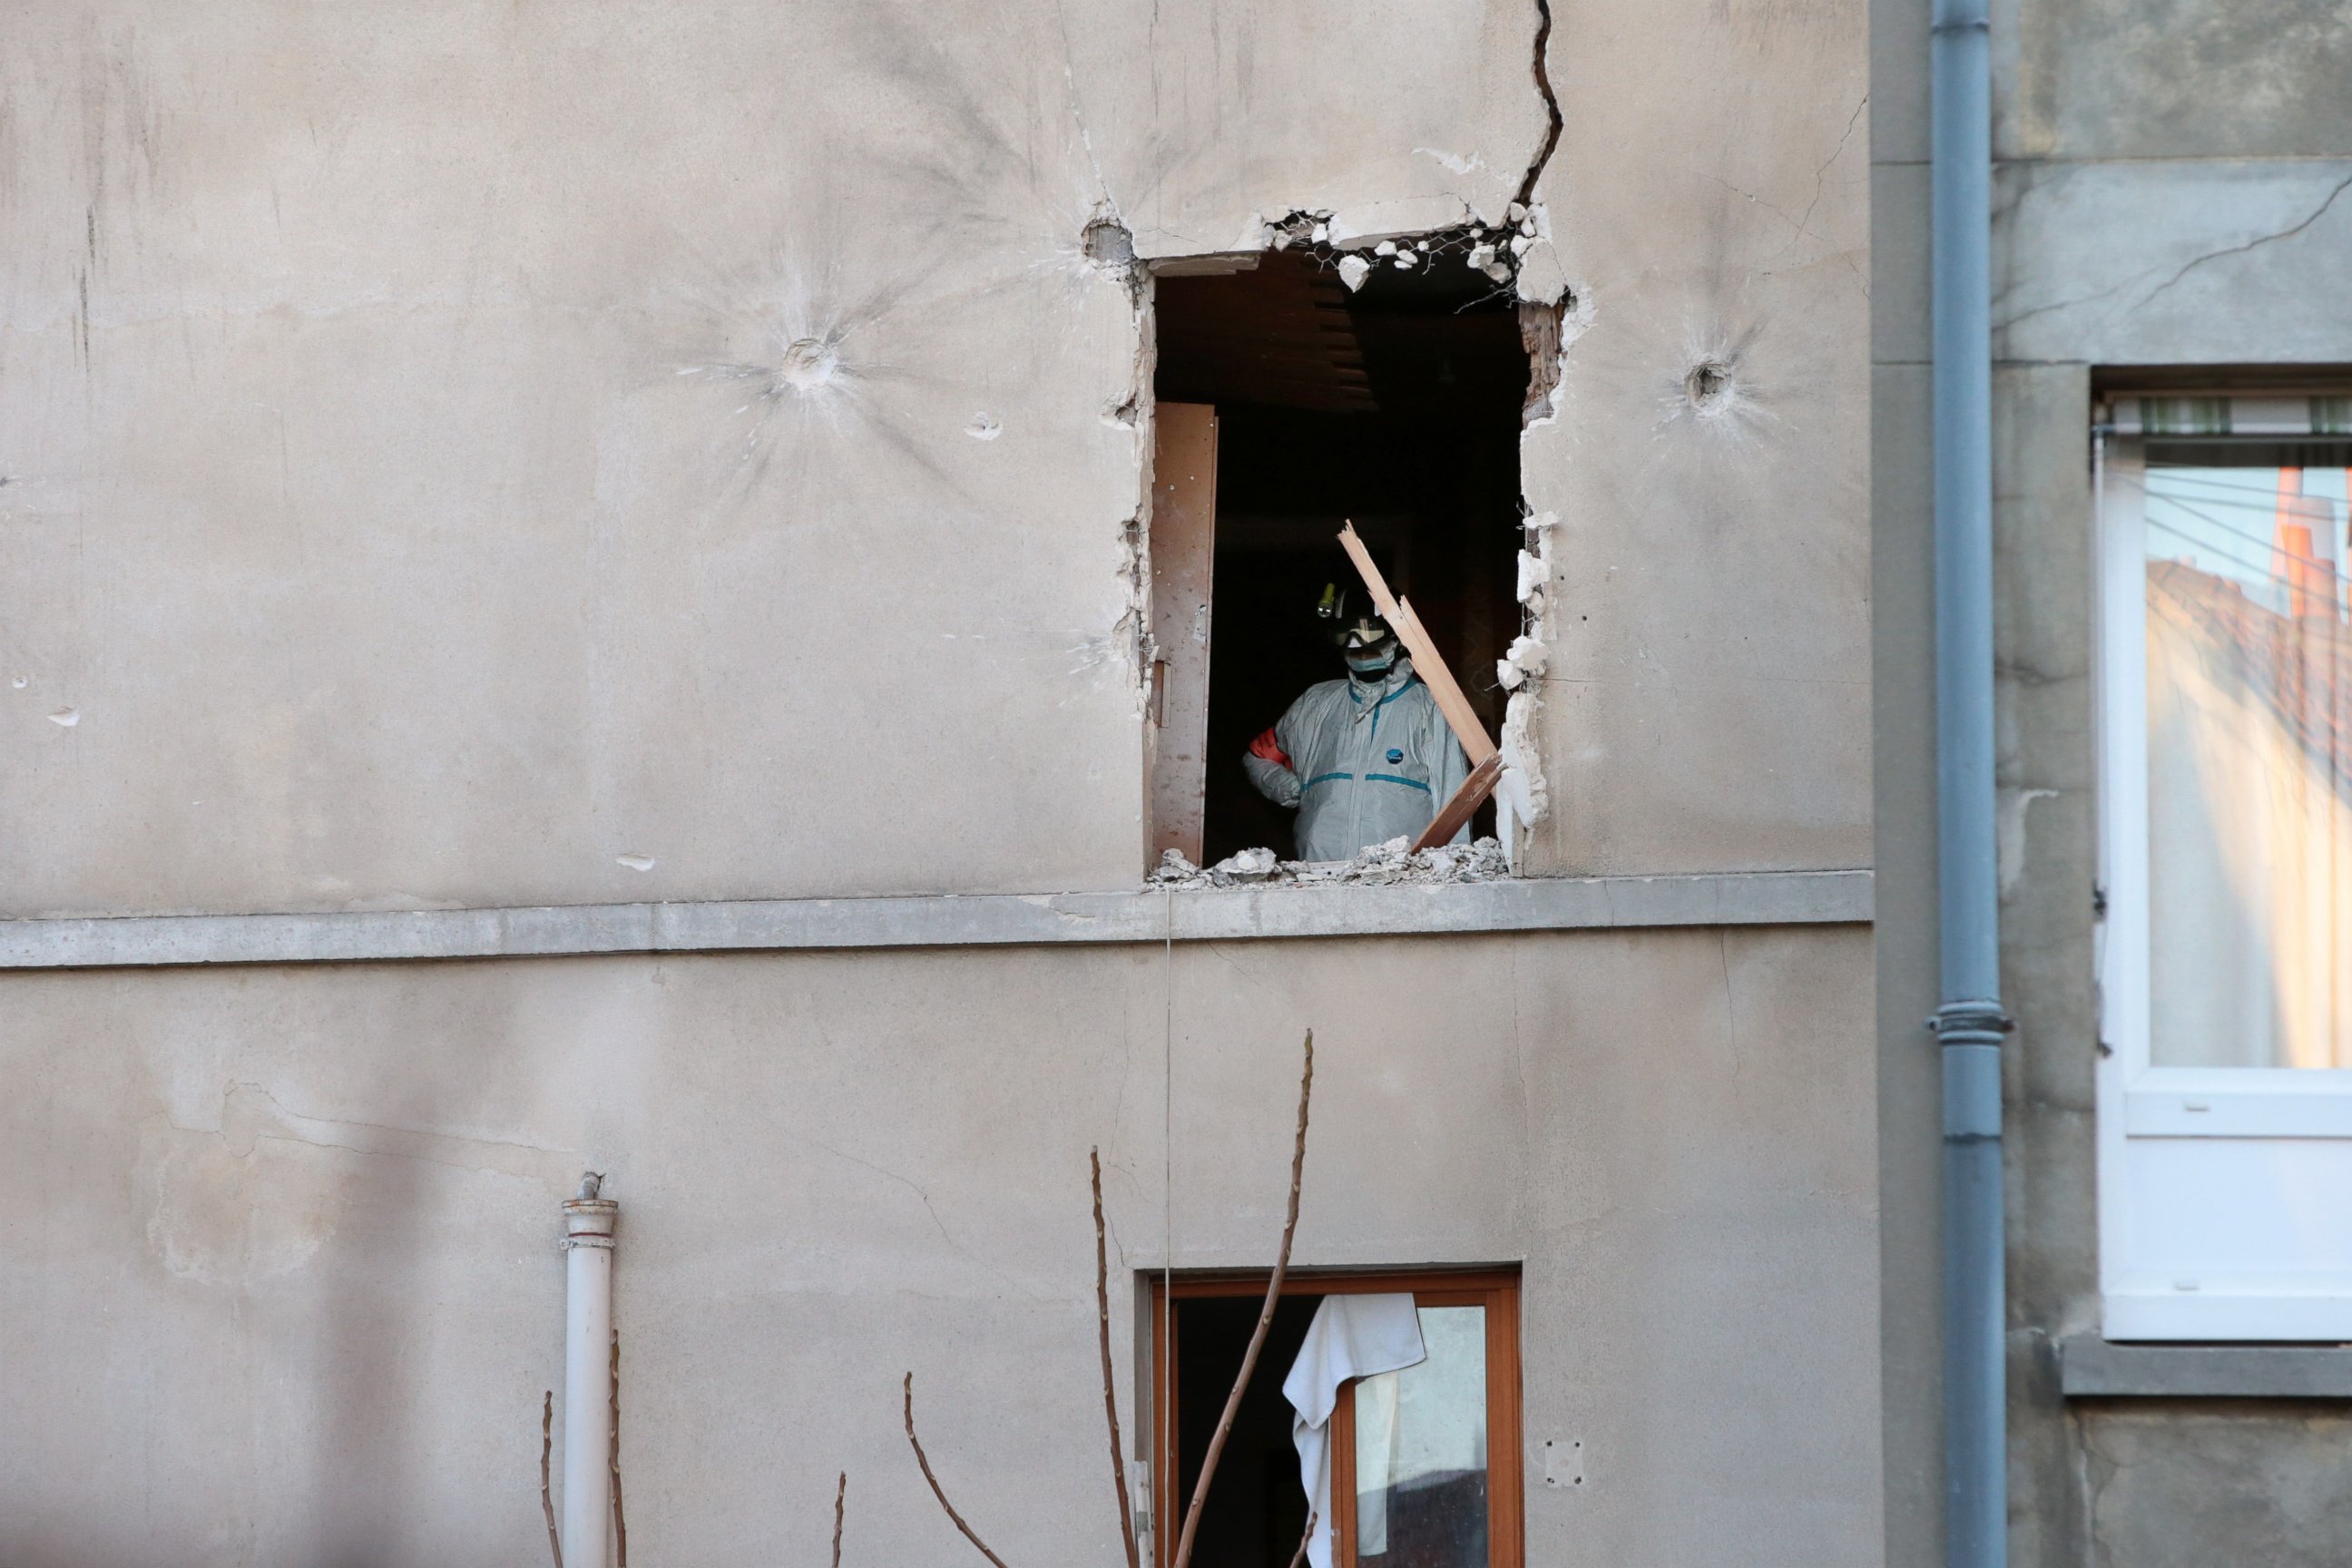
x=546 y=1498
x=840 y=1497
x=1305 y=1536
x=620 y=1521
x=924 y=1460
x=1110 y=1395
x=1264 y=1322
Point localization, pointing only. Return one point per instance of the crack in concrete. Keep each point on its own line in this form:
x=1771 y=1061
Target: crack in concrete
x=2288 y=233
x=250 y=1113
x=1527 y=193
x=915 y=1187
x=1821 y=178
x=2334 y=194
x=2011 y=322
x=1730 y=1007
x=1755 y=200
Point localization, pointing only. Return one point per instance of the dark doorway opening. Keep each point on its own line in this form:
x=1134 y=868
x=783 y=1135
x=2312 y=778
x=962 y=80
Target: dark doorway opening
x=1256 y=1508
x=1397 y=405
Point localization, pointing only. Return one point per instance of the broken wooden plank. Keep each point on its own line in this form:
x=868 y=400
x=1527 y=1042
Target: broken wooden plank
x=1476 y=744
x=1459 y=715
x=1464 y=804
x=1353 y=544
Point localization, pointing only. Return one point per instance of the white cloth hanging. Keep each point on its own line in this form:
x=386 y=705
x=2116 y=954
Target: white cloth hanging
x=1351 y=1336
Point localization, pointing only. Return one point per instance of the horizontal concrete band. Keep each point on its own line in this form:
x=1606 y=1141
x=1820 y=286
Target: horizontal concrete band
x=2091 y=1368
x=1221 y=914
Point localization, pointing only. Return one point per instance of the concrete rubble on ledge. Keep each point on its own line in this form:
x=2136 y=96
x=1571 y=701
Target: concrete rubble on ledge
x=1377 y=865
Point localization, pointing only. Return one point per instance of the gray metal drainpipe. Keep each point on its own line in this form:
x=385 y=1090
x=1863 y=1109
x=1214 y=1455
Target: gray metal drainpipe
x=1969 y=1022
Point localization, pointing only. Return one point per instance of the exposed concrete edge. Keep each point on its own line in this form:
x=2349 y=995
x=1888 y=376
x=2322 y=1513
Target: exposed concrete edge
x=1781 y=898
x=2092 y=1368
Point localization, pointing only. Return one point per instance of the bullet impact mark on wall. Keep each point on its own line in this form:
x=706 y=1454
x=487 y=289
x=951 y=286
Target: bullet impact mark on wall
x=1709 y=385
x=985 y=427
x=1107 y=243
x=1714 y=390
x=65 y=718
x=811 y=357
x=808 y=365
x=635 y=862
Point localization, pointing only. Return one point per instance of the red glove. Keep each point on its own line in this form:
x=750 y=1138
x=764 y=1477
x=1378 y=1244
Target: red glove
x=1269 y=748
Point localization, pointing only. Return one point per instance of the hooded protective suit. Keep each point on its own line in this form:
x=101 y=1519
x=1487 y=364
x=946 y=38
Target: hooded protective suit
x=1362 y=763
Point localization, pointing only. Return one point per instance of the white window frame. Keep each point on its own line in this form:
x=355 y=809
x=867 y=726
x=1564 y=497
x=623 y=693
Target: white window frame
x=2225 y=1194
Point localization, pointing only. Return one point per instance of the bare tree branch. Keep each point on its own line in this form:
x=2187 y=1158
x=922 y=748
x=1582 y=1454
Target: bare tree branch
x=1304 y=1537
x=1110 y=1395
x=924 y=1460
x=1264 y=1322
x=547 y=1497
x=620 y=1521
x=840 y=1497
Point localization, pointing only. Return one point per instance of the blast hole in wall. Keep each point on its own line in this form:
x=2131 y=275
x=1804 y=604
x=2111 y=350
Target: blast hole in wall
x=1398 y=405
x=1709 y=386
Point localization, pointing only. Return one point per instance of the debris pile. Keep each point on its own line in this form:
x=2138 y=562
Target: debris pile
x=1393 y=862
x=1498 y=251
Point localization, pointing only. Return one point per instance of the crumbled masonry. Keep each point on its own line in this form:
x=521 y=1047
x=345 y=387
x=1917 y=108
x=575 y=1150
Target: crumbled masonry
x=1524 y=662
x=1496 y=252
x=1381 y=864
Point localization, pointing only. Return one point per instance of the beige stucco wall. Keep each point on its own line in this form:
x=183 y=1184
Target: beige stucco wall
x=408 y=500
x=359 y=512
x=280 y=1283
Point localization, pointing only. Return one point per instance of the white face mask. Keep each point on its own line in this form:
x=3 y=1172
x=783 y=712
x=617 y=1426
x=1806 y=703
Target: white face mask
x=1371 y=664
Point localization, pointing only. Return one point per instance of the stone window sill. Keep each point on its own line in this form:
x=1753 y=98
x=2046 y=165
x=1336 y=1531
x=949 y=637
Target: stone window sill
x=2094 y=1368
x=1221 y=914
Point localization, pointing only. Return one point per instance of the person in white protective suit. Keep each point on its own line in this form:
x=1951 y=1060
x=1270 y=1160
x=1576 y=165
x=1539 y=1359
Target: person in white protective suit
x=1364 y=759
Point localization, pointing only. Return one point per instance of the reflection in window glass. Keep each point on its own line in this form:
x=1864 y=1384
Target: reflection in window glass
x=1421 y=1451
x=2249 y=756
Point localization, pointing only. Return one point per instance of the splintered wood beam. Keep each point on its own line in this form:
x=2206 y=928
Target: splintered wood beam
x=1399 y=614
x=1352 y=543
x=1466 y=801
x=1475 y=743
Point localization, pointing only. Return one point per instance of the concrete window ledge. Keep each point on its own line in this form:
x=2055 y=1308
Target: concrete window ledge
x=2092 y=1368
x=1148 y=915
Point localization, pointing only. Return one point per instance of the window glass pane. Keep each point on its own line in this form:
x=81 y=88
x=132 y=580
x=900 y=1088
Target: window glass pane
x=2249 y=756
x=1421 y=1451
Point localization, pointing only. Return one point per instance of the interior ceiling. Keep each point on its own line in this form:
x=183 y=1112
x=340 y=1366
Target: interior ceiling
x=1289 y=333
x=1278 y=333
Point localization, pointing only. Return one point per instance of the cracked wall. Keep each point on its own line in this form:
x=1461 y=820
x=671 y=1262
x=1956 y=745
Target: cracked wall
x=591 y=404
x=1706 y=690
x=471 y=454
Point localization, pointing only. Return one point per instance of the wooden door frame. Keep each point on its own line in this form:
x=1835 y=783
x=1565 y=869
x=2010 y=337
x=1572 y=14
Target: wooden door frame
x=1496 y=1290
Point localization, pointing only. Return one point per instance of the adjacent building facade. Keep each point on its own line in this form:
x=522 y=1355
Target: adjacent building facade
x=2170 y=530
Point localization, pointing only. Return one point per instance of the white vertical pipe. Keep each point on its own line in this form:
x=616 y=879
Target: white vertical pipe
x=587 y=1377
